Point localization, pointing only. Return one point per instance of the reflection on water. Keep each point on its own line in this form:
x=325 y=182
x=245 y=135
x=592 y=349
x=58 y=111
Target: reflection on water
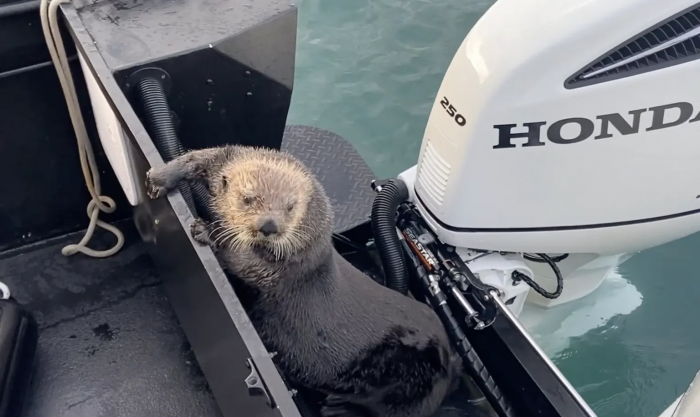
x=555 y=328
x=369 y=71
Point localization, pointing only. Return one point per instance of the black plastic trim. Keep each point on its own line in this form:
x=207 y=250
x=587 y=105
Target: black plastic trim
x=549 y=228
x=572 y=82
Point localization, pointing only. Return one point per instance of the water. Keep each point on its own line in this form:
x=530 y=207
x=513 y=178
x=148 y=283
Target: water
x=369 y=71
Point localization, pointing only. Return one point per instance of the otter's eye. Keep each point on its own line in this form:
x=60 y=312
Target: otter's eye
x=290 y=207
x=247 y=199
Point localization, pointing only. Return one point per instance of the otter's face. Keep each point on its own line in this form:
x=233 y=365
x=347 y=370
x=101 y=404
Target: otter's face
x=263 y=203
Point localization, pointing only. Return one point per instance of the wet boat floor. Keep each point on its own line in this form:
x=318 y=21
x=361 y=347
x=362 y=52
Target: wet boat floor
x=110 y=344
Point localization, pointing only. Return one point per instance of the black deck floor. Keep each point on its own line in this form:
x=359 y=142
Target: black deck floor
x=110 y=345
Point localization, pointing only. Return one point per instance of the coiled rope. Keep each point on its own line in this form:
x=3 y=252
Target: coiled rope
x=54 y=41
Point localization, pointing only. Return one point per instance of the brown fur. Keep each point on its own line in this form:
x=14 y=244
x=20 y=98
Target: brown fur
x=258 y=188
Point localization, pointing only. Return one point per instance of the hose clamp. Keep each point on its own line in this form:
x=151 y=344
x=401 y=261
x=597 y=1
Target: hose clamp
x=156 y=73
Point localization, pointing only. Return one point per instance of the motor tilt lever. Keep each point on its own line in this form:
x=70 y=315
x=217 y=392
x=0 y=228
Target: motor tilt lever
x=432 y=264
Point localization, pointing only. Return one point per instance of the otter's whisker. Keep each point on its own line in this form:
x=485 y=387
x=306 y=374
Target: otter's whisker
x=295 y=239
x=280 y=251
x=238 y=244
x=223 y=236
x=304 y=227
x=229 y=234
x=219 y=228
x=233 y=242
x=275 y=251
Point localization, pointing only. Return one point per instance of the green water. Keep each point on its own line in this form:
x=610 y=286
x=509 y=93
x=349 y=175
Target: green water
x=369 y=70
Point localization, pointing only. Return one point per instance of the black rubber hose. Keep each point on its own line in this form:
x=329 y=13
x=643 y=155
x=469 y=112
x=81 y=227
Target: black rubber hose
x=387 y=201
x=160 y=125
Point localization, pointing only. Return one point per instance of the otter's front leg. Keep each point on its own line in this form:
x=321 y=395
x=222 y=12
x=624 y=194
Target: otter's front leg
x=201 y=231
x=193 y=166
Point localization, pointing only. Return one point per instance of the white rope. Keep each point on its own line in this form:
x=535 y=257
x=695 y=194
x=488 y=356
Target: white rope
x=54 y=41
x=4 y=291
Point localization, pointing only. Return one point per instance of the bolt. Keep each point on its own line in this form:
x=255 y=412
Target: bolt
x=253 y=380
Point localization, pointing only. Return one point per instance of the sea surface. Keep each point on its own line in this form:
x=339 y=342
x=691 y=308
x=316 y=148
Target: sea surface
x=369 y=71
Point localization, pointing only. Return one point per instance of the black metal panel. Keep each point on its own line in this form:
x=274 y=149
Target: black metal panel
x=342 y=171
x=15 y=5
x=22 y=42
x=214 y=321
x=133 y=32
x=218 y=100
x=43 y=193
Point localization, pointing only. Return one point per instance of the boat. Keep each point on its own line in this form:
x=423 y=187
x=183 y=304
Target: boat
x=518 y=204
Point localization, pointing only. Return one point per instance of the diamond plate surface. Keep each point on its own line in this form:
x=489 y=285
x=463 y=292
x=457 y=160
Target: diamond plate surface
x=342 y=171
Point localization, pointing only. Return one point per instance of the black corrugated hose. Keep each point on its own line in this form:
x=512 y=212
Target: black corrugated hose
x=384 y=208
x=160 y=125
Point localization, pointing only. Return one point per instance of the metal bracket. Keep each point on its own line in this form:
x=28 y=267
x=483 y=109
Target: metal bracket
x=256 y=386
x=378 y=184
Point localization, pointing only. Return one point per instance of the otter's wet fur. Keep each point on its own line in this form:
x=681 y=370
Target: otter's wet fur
x=371 y=350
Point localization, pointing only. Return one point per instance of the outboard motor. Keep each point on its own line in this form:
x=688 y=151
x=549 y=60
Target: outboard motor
x=560 y=143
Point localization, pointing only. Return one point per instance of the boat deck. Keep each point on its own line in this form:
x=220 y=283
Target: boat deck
x=110 y=344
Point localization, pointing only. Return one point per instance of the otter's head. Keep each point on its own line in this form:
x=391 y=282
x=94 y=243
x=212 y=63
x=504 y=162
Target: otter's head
x=263 y=199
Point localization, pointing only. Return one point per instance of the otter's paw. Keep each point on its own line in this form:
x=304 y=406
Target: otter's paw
x=155 y=186
x=200 y=231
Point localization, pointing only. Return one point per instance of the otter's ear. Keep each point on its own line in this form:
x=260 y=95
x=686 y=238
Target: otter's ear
x=224 y=182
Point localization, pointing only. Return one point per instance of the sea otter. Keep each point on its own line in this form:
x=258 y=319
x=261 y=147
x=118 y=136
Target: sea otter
x=371 y=350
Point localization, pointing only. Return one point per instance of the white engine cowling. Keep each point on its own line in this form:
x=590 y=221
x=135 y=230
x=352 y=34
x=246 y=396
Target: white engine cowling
x=559 y=129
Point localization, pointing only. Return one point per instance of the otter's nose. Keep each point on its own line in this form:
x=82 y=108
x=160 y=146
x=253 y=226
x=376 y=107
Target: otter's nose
x=268 y=228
